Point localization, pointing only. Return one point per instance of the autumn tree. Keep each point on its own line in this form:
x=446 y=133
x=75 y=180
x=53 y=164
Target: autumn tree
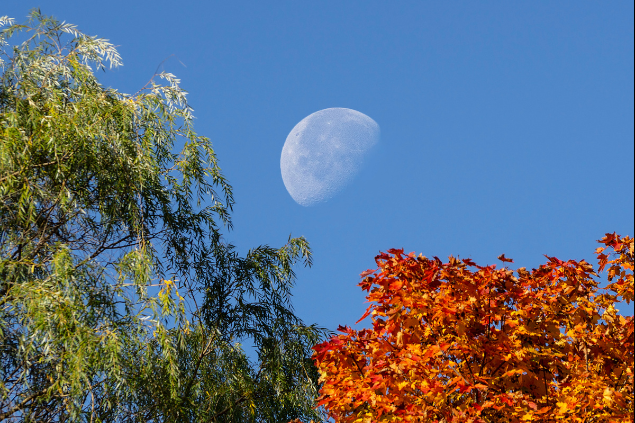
x=119 y=298
x=458 y=342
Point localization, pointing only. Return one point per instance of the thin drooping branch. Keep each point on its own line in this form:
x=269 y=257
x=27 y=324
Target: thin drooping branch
x=20 y=406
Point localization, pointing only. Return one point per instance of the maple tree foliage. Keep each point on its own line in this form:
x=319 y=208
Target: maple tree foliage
x=458 y=342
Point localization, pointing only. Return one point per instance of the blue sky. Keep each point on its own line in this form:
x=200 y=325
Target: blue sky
x=506 y=127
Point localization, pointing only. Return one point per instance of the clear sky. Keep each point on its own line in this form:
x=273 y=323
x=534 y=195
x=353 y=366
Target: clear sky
x=506 y=127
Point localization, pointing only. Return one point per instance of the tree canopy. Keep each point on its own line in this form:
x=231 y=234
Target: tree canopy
x=459 y=342
x=120 y=300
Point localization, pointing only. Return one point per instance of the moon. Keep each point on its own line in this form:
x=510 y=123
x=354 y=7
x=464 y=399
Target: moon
x=324 y=152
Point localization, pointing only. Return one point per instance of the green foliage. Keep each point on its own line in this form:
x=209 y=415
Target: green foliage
x=119 y=299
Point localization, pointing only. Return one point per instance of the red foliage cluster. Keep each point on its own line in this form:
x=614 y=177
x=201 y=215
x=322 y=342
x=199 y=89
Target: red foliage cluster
x=458 y=342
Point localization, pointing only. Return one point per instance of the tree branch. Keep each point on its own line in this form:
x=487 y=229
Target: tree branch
x=21 y=405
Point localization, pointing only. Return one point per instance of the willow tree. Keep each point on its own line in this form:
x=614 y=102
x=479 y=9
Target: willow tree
x=119 y=299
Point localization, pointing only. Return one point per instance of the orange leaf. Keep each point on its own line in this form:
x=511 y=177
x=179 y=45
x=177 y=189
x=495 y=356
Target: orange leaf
x=504 y=259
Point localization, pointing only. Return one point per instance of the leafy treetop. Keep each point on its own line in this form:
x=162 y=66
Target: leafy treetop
x=119 y=298
x=459 y=342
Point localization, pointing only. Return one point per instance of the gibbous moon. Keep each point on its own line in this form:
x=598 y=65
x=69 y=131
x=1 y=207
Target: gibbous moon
x=324 y=152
